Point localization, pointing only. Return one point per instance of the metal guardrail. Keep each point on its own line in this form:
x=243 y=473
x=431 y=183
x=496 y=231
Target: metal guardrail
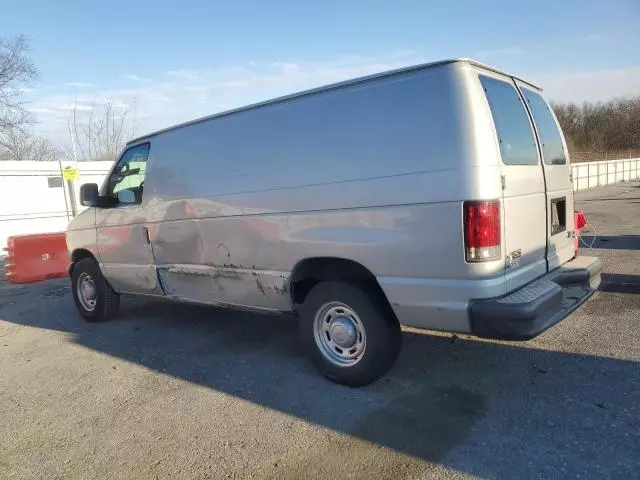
x=599 y=174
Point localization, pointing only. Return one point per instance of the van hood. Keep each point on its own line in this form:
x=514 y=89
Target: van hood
x=83 y=220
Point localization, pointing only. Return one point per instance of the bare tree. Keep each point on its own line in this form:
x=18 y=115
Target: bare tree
x=18 y=144
x=102 y=132
x=16 y=72
x=612 y=126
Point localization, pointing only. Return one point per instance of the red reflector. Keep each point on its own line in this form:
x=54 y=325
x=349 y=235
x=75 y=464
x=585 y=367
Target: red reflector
x=482 y=230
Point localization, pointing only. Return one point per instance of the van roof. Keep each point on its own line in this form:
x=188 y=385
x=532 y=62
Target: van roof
x=331 y=87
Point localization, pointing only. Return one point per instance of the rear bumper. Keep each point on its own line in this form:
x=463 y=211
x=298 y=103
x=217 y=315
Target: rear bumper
x=530 y=310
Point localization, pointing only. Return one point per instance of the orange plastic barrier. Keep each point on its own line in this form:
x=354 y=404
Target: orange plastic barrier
x=579 y=221
x=32 y=258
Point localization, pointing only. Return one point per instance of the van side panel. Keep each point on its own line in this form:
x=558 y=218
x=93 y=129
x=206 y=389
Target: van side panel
x=399 y=125
x=374 y=172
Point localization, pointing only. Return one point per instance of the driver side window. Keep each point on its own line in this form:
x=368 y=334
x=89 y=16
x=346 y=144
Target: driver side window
x=126 y=183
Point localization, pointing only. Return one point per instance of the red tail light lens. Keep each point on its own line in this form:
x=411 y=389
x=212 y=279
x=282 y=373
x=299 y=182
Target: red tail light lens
x=482 y=231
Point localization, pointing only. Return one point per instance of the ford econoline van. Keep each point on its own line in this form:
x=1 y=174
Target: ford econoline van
x=437 y=196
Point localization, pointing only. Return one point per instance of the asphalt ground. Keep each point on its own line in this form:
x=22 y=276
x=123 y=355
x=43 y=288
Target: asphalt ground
x=176 y=391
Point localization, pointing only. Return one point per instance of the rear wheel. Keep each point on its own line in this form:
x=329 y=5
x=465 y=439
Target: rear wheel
x=95 y=300
x=350 y=332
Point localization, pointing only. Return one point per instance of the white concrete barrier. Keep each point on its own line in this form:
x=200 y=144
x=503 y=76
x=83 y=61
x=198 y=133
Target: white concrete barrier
x=598 y=174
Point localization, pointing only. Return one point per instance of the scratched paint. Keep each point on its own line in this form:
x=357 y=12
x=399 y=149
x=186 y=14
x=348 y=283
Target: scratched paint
x=226 y=284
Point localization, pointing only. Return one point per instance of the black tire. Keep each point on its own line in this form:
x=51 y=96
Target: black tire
x=107 y=300
x=382 y=331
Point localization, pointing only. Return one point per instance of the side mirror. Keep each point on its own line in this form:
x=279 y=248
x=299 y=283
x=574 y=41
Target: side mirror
x=126 y=196
x=89 y=195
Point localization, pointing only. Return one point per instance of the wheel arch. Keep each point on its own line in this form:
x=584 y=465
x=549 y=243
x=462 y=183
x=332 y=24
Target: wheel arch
x=310 y=271
x=77 y=255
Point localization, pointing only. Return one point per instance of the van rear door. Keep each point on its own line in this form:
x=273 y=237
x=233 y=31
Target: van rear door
x=557 y=173
x=524 y=212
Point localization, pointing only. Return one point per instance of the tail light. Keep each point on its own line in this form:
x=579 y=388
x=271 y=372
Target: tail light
x=482 y=231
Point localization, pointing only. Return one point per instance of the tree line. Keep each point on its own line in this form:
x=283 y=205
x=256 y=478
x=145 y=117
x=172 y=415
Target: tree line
x=612 y=126
x=100 y=133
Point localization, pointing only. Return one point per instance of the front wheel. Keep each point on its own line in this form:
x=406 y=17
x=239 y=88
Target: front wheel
x=95 y=300
x=350 y=332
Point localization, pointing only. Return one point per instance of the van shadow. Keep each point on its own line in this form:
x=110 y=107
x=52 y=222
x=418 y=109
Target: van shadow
x=458 y=402
x=620 y=283
x=623 y=199
x=612 y=242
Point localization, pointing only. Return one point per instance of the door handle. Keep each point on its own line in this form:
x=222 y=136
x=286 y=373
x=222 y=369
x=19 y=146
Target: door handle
x=147 y=237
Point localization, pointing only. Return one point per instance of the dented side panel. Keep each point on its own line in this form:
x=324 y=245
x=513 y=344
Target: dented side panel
x=247 y=260
x=126 y=255
x=226 y=284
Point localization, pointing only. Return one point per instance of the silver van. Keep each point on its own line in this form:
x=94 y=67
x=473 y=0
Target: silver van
x=437 y=196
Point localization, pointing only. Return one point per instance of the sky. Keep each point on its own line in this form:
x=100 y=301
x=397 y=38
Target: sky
x=179 y=60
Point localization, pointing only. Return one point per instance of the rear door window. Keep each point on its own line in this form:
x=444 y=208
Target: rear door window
x=552 y=147
x=517 y=142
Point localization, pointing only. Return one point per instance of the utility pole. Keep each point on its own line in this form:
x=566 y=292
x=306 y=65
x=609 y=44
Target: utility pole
x=72 y=194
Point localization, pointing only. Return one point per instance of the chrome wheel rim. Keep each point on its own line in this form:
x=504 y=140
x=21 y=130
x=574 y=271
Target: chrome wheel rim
x=339 y=334
x=87 y=292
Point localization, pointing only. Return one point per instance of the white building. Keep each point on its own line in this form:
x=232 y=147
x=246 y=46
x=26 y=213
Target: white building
x=34 y=198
